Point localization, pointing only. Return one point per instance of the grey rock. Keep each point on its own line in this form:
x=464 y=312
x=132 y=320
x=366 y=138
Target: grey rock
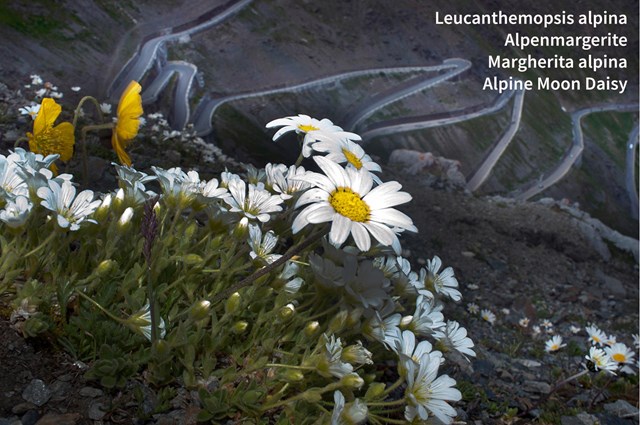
x=529 y=363
x=22 y=408
x=582 y=418
x=36 y=392
x=59 y=419
x=537 y=387
x=611 y=285
x=95 y=410
x=621 y=408
x=59 y=390
x=30 y=417
x=90 y=392
x=13 y=420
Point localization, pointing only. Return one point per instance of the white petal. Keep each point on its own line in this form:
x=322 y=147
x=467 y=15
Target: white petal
x=340 y=229
x=361 y=236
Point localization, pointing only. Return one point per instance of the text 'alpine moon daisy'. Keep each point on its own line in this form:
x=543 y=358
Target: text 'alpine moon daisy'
x=345 y=198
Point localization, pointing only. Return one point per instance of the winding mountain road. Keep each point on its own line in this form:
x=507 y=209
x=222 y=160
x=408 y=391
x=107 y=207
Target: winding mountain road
x=630 y=171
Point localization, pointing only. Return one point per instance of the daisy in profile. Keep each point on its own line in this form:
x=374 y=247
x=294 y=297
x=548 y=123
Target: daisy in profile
x=488 y=316
x=313 y=130
x=345 y=198
x=600 y=360
x=454 y=337
x=254 y=203
x=31 y=110
x=47 y=139
x=620 y=353
x=71 y=210
x=347 y=151
x=554 y=344
x=128 y=123
x=596 y=336
x=425 y=393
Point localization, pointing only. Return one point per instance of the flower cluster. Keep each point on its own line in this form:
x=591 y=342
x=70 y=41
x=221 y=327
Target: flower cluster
x=294 y=278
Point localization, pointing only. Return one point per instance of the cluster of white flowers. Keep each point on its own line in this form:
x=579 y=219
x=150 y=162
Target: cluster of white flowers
x=607 y=354
x=25 y=181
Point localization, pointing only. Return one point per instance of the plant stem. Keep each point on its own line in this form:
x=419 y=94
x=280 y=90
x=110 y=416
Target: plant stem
x=95 y=303
x=42 y=245
x=393 y=386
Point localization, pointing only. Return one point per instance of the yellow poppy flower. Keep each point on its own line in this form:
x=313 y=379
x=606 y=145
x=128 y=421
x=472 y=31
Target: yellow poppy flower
x=129 y=111
x=47 y=139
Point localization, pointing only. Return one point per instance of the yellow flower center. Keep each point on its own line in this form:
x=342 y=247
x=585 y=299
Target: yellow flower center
x=348 y=203
x=596 y=339
x=619 y=357
x=307 y=128
x=352 y=158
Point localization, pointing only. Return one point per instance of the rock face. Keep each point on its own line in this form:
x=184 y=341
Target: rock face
x=436 y=171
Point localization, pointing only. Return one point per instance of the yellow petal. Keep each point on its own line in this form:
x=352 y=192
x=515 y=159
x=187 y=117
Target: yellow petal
x=129 y=111
x=65 y=137
x=49 y=111
x=118 y=147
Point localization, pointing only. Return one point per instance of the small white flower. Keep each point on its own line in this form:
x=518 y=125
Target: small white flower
x=284 y=180
x=356 y=354
x=535 y=329
x=143 y=319
x=425 y=393
x=600 y=360
x=35 y=79
x=31 y=110
x=312 y=128
x=473 y=308
x=41 y=92
x=349 y=414
x=443 y=283
x=289 y=274
x=105 y=108
x=574 y=329
x=428 y=317
x=56 y=95
x=524 y=322
x=505 y=311
x=488 y=316
x=453 y=336
x=16 y=212
x=554 y=344
x=407 y=350
x=347 y=151
x=75 y=89
x=596 y=336
x=610 y=340
x=261 y=247
x=546 y=324
x=256 y=203
x=71 y=210
x=384 y=330
x=472 y=286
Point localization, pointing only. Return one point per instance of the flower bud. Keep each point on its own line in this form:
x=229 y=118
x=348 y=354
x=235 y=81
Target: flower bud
x=286 y=312
x=233 y=303
x=312 y=328
x=156 y=208
x=119 y=199
x=356 y=412
x=190 y=230
x=161 y=347
x=125 y=219
x=105 y=267
x=374 y=391
x=406 y=321
x=293 y=375
x=356 y=354
x=192 y=259
x=242 y=229
x=103 y=209
x=200 y=310
x=239 y=327
x=312 y=395
x=352 y=380
x=354 y=316
x=338 y=322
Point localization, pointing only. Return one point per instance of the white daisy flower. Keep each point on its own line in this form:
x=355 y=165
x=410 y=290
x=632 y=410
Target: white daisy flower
x=600 y=360
x=16 y=212
x=488 y=316
x=141 y=322
x=382 y=330
x=473 y=308
x=443 y=283
x=596 y=336
x=554 y=344
x=261 y=247
x=289 y=275
x=256 y=203
x=31 y=110
x=610 y=340
x=41 y=92
x=574 y=329
x=312 y=128
x=105 y=108
x=71 y=210
x=347 y=414
x=453 y=336
x=425 y=393
x=620 y=353
x=546 y=324
x=75 y=89
x=11 y=182
x=535 y=329
x=333 y=366
x=345 y=198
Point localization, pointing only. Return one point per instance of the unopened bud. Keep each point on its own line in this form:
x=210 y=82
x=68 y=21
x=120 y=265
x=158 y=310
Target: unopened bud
x=232 y=304
x=338 y=322
x=200 y=310
x=105 y=267
x=356 y=354
x=161 y=347
x=354 y=316
x=239 y=327
x=190 y=230
x=103 y=209
x=251 y=397
x=242 y=228
x=312 y=328
x=352 y=380
x=125 y=219
x=312 y=395
x=374 y=391
x=406 y=321
x=192 y=259
x=286 y=312
x=119 y=199
x=156 y=208
x=356 y=412
x=293 y=375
